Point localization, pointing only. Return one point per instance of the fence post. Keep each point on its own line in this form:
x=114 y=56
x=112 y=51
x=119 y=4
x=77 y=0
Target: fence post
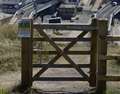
x=25 y=32
x=94 y=54
x=102 y=50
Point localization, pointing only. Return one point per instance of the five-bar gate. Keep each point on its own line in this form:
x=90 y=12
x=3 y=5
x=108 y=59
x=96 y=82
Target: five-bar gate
x=97 y=75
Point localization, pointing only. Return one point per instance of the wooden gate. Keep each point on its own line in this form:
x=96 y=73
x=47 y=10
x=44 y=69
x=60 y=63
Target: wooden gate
x=97 y=76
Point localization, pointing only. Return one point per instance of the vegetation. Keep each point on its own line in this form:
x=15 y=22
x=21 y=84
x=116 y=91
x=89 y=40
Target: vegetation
x=3 y=91
x=9 y=48
x=112 y=90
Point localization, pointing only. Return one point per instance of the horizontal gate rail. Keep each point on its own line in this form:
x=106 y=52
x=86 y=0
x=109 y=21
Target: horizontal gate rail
x=113 y=38
x=110 y=57
x=63 y=26
x=69 y=52
x=61 y=65
x=60 y=79
x=109 y=78
x=62 y=39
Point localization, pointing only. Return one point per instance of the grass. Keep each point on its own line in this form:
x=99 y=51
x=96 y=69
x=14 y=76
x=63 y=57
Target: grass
x=3 y=91
x=111 y=90
x=9 y=48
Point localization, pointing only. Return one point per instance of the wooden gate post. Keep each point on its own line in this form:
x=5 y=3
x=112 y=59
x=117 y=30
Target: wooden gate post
x=25 y=32
x=102 y=26
x=94 y=55
x=26 y=75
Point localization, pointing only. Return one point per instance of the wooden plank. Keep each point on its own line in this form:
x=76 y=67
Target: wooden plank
x=110 y=57
x=63 y=26
x=55 y=52
x=60 y=79
x=62 y=92
x=61 y=65
x=93 y=58
x=93 y=55
x=109 y=78
x=113 y=38
x=62 y=39
x=102 y=50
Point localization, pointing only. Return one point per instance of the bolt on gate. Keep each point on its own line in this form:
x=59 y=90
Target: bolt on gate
x=98 y=53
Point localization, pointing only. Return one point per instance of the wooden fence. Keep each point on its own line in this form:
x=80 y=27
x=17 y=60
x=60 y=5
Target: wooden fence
x=98 y=53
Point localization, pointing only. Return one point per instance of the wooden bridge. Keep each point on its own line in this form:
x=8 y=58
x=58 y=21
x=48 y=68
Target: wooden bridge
x=98 y=52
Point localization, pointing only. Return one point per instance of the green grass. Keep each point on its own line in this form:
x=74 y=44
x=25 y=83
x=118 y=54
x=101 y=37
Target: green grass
x=3 y=91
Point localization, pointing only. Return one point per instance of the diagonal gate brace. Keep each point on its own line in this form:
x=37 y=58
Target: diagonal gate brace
x=62 y=53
